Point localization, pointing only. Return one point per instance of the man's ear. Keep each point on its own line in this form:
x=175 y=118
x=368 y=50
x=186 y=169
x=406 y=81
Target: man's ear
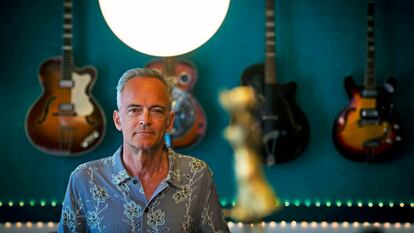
x=117 y=120
x=170 y=121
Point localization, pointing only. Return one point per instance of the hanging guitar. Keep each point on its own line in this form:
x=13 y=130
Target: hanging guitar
x=190 y=121
x=285 y=127
x=65 y=119
x=368 y=129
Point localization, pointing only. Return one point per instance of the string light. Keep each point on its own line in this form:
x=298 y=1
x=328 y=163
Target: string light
x=335 y=226
x=239 y=225
x=226 y=203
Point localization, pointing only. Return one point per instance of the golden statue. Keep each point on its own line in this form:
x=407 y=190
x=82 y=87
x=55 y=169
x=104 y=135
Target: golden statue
x=255 y=197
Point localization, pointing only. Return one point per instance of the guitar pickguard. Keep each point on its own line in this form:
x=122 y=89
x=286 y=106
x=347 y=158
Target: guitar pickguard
x=79 y=98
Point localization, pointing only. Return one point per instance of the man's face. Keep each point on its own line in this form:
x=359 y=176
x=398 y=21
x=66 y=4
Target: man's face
x=144 y=114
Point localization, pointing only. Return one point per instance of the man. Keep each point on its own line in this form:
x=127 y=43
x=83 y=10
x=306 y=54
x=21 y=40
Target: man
x=145 y=186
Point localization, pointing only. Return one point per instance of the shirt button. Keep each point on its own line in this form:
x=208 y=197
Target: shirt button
x=134 y=181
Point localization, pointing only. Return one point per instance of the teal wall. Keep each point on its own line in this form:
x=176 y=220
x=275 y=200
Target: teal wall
x=319 y=42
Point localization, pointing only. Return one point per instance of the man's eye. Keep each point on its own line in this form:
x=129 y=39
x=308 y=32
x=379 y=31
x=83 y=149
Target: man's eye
x=158 y=111
x=133 y=110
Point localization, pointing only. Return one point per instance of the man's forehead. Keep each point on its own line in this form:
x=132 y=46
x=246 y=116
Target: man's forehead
x=146 y=79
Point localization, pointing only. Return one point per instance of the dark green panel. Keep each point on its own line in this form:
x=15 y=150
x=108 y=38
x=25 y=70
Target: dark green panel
x=318 y=44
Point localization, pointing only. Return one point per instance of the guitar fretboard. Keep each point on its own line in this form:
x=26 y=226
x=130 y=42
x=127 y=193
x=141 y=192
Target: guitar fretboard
x=169 y=67
x=270 y=63
x=67 y=41
x=370 y=64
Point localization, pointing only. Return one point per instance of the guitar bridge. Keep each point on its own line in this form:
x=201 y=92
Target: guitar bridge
x=373 y=143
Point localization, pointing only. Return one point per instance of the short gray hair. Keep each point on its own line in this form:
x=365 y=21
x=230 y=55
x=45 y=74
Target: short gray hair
x=142 y=73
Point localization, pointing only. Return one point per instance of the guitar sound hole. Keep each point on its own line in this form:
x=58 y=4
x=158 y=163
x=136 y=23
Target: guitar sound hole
x=184 y=112
x=184 y=78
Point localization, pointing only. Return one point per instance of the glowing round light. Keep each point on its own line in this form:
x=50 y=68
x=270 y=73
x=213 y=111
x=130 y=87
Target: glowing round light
x=164 y=27
x=40 y=224
x=230 y=224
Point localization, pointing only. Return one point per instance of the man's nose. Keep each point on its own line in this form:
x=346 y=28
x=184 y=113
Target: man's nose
x=145 y=117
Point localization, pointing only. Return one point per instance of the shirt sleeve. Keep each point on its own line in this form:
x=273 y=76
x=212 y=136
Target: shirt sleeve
x=72 y=218
x=212 y=219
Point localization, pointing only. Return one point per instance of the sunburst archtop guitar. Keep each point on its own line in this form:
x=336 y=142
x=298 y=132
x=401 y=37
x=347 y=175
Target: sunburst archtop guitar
x=368 y=129
x=65 y=120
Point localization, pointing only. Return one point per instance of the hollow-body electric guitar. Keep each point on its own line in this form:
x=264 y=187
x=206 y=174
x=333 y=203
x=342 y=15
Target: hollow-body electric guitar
x=368 y=129
x=285 y=127
x=65 y=119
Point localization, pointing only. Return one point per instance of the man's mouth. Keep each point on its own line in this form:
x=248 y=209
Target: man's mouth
x=144 y=132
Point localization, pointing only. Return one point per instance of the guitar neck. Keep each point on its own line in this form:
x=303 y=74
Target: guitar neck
x=169 y=67
x=270 y=63
x=67 y=41
x=370 y=64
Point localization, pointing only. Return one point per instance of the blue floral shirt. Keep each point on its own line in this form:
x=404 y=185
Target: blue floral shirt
x=102 y=197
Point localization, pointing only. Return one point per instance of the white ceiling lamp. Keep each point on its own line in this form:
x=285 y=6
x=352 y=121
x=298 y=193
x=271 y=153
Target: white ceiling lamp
x=164 y=27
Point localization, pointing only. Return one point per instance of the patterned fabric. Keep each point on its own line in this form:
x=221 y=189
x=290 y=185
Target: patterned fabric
x=102 y=197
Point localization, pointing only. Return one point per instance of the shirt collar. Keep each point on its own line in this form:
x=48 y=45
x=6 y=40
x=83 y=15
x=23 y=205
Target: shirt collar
x=173 y=177
x=119 y=168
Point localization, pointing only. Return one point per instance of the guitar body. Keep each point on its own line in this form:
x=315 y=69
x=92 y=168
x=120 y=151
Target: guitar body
x=190 y=121
x=285 y=128
x=368 y=129
x=65 y=120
